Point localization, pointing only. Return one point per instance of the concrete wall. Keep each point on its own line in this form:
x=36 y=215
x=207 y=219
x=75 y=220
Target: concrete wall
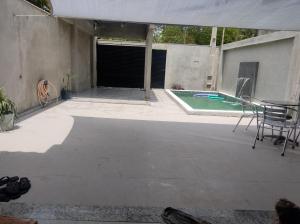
x=35 y=48
x=187 y=65
x=81 y=60
x=274 y=54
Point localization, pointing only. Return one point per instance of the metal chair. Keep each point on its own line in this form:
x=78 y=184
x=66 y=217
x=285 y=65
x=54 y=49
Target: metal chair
x=295 y=135
x=296 y=128
x=297 y=125
x=276 y=119
x=249 y=110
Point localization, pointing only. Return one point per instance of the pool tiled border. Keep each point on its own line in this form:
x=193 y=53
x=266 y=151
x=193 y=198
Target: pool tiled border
x=189 y=110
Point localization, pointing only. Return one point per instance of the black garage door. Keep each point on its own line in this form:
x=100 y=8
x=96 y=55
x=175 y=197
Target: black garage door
x=158 y=68
x=123 y=66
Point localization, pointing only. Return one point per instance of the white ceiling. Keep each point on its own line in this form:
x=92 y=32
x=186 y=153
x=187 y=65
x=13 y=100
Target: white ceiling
x=256 y=14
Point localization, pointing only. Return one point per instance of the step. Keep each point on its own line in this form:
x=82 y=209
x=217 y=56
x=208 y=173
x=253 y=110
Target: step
x=66 y=214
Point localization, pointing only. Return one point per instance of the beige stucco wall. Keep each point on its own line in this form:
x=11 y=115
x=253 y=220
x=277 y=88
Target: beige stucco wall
x=187 y=65
x=81 y=60
x=35 y=48
x=274 y=59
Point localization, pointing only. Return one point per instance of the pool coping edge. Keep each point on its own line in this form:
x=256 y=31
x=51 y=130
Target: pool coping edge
x=189 y=110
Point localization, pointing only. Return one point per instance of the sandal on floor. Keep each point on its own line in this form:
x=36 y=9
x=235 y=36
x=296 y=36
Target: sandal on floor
x=6 y=179
x=12 y=189
x=11 y=181
x=24 y=185
x=4 y=197
x=16 y=189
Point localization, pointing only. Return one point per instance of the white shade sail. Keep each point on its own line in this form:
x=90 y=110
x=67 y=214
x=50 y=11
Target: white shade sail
x=255 y=14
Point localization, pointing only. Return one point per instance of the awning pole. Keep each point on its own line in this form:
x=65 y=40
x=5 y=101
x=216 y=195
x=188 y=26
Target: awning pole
x=220 y=67
x=95 y=39
x=148 y=62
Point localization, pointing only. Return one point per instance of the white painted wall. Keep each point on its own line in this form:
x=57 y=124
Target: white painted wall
x=187 y=65
x=274 y=59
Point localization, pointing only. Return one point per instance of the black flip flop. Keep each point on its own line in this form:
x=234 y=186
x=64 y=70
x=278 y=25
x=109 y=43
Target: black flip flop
x=12 y=189
x=24 y=185
x=4 y=197
x=6 y=179
x=16 y=189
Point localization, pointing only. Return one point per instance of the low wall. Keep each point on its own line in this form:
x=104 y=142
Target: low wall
x=187 y=65
x=35 y=48
x=275 y=54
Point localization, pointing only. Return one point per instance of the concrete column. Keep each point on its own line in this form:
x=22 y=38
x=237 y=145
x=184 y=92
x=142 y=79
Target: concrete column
x=213 y=58
x=219 y=78
x=148 y=61
x=293 y=85
x=95 y=61
x=213 y=39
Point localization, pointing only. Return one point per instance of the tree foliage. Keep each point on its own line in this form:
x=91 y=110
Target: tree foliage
x=43 y=4
x=198 y=35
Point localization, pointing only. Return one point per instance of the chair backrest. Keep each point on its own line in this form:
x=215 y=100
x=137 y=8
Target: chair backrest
x=275 y=113
x=246 y=98
x=247 y=105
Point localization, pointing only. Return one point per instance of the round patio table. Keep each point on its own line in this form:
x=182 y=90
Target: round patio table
x=282 y=103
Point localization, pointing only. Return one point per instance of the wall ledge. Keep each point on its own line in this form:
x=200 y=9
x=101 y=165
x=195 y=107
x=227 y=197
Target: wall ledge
x=267 y=38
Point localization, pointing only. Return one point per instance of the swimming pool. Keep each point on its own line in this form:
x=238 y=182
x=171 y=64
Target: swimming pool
x=207 y=102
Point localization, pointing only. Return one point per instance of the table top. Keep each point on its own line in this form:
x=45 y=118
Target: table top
x=281 y=103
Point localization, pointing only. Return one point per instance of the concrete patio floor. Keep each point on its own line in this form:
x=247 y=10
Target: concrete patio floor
x=91 y=153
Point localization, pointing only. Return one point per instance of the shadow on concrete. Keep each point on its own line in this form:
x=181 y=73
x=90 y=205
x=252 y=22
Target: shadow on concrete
x=114 y=162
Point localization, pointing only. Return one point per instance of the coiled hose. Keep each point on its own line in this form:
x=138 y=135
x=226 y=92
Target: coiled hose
x=43 y=92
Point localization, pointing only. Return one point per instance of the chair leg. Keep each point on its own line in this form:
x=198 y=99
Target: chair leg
x=294 y=137
x=285 y=143
x=256 y=137
x=272 y=133
x=238 y=123
x=249 y=123
x=262 y=132
x=292 y=131
x=257 y=126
